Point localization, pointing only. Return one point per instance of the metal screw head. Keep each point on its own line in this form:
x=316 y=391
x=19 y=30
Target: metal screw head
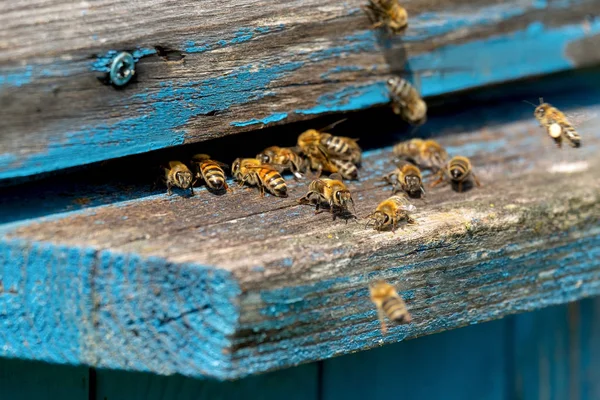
x=122 y=69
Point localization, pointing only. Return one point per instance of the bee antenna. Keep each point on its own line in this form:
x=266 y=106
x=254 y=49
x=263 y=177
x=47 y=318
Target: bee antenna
x=528 y=102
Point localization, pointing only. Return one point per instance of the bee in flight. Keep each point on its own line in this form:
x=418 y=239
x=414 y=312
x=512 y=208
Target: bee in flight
x=425 y=153
x=389 y=304
x=556 y=124
x=388 y=14
x=406 y=101
x=209 y=171
x=406 y=177
x=458 y=170
x=390 y=211
x=331 y=191
x=253 y=172
x=179 y=175
x=284 y=158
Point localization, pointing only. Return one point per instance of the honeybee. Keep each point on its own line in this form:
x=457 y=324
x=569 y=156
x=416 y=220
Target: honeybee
x=178 y=174
x=458 y=170
x=341 y=147
x=255 y=173
x=406 y=177
x=309 y=142
x=328 y=190
x=425 y=153
x=389 y=304
x=285 y=158
x=557 y=125
x=209 y=171
x=346 y=169
x=387 y=13
x=390 y=211
x=406 y=101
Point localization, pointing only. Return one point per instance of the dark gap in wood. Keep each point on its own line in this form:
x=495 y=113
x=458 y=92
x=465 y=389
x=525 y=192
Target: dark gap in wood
x=168 y=54
x=93 y=384
x=320 y=380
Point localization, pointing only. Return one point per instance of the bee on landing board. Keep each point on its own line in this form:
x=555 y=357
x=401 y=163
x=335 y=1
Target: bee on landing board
x=406 y=101
x=425 y=153
x=406 y=177
x=341 y=147
x=390 y=211
x=331 y=191
x=388 y=14
x=209 y=171
x=179 y=175
x=389 y=304
x=458 y=170
x=556 y=124
x=346 y=169
x=253 y=172
x=284 y=158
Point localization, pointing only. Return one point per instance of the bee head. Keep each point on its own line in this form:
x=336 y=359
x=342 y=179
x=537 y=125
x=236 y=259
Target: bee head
x=184 y=179
x=380 y=289
x=235 y=167
x=540 y=110
x=392 y=82
x=413 y=183
x=343 y=197
x=456 y=173
x=264 y=158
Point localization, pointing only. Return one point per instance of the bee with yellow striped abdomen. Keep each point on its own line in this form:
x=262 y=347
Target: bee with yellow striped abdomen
x=458 y=170
x=179 y=175
x=390 y=211
x=389 y=304
x=406 y=177
x=388 y=14
x=331 y=191
x=209 y=171
x=284 y=158
x=253 y=172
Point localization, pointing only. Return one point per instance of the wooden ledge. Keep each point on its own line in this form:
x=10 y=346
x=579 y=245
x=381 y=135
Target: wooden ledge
x=235 y=285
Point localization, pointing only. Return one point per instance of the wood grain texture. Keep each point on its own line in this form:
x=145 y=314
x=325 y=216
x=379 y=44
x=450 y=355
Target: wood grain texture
x=229 y=286
x=209 y=69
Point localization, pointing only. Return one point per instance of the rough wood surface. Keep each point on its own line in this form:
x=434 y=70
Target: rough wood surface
x=215 y=68
x=228 y=286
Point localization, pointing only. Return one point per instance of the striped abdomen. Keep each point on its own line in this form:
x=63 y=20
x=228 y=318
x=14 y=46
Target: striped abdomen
x=400 y=90
x=395 y=309
x=346 y=168
x=272 y=181
x=432 y=155
x=571 y=134
x=213 y=175
x=410 y=148
x=459 y=168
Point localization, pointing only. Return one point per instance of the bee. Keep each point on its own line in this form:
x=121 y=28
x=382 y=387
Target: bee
x=346 y=169
x=255 y=173
x=390 y=211
x=328 y=190
x=340 y=147
x=388 y=303
x=387 y=13
x=209 y=171
x=285 y=158
x=458 y=170
x=406 y=101
x=425 y=153
x=557 y=125
x=178 y=174
x=309 y=143
x=406 y=177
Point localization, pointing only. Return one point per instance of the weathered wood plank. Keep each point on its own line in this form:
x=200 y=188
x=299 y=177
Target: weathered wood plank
x=237 y=66
x=235 y=285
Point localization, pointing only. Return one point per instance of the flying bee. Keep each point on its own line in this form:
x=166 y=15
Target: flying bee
x=309 y=143
x=387 y=13
x=253 y=172
x=390 y=211
x=284 y=158
x=556 y=123
x=347 y=169
x=328 y=190
x=178 y=174
x=389 y=304
x=425 y=153
x=406 y=101
x=341 y=147
x=406 y=177
x=458 y=170
x=209 y=171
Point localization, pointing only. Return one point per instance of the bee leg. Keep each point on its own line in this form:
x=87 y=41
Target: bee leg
x=381 y=317
x=460 y=187
x=192 y=190
x=475 y=179
x=262 y=191
x=227 y=188
x=440 y=180
x=169 y=191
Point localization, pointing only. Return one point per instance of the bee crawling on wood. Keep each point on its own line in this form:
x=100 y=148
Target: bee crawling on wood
x=388 y=14
x=458 y=170
x=209 y=171
x=425 y=153
x=331 y=191
x=179 y=175
x=406 y=101
x=255 y=173
x=346 y=169
x=341 y=147
x=284 y=158
x=389 y=304
x=390 y=211
x=406 y=177
x=556 y=124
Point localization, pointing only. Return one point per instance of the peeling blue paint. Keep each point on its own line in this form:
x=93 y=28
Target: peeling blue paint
x=240 y=36
x=341 y=69
x=17 y=77
x=267 y=120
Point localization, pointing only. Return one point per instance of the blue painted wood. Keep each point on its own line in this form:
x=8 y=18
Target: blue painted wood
x=27 y=380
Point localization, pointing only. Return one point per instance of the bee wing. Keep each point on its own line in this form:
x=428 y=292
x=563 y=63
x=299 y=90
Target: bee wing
x=579 y=118
x=409 y=208
x=332 y=125
x=336 y=176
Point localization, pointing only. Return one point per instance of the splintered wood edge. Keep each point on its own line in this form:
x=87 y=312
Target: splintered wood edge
x=211 y=286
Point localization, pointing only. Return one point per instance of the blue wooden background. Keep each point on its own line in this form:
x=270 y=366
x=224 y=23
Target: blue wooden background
x=553 y=353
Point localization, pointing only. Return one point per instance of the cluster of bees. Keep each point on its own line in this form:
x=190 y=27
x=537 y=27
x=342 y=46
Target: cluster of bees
x=340 y=157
